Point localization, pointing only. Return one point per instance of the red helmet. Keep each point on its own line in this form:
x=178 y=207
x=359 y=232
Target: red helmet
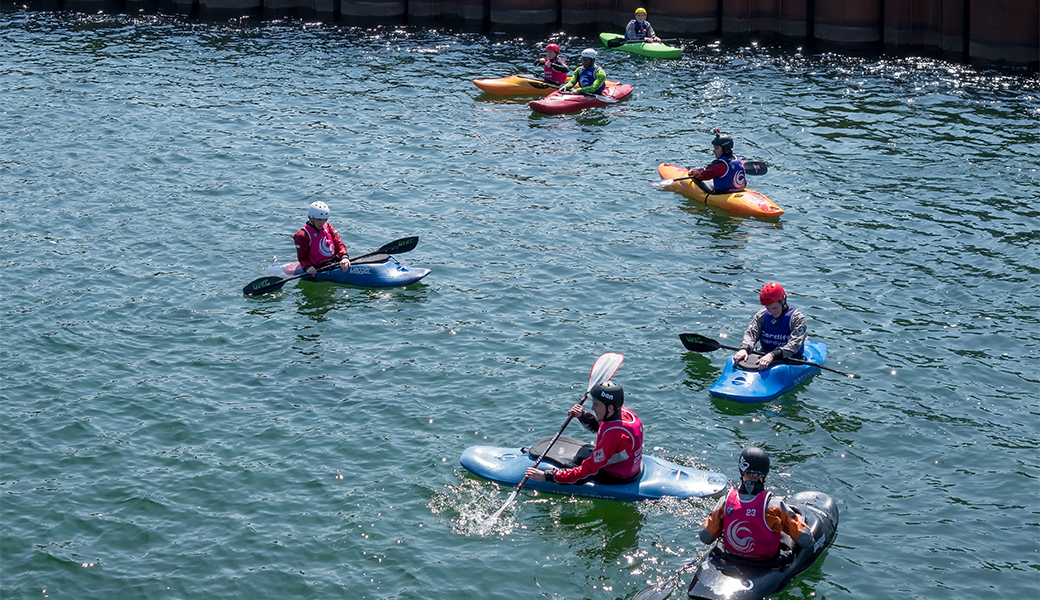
x=553 y=47
x=771 y=292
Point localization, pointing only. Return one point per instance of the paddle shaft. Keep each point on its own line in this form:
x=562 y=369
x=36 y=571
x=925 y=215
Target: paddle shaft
x=395 y=247
x=614 y=43
x=602 y=370
x=698 y=343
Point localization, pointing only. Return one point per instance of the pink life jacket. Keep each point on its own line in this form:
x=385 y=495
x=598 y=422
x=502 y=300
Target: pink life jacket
x=321 y=248
x=626 y=463
x=744 y=529
x=553 y=75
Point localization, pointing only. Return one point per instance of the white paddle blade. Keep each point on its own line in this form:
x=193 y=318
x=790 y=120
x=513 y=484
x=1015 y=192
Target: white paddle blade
x=663 y=183
x=486 y=527
x=604 y=368
x=606 y=99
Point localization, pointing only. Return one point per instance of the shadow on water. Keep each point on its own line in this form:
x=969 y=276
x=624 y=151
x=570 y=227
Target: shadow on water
x=699 y=372
x=615 y=527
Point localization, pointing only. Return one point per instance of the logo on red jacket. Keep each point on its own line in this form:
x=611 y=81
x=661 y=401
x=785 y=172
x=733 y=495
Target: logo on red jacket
x=739 y=537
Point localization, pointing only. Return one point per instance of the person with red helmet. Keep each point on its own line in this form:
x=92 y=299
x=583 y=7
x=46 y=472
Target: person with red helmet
x=318 y=243
x=618 y=454
x=555 y=66
x=780 y=329
x=750 y=520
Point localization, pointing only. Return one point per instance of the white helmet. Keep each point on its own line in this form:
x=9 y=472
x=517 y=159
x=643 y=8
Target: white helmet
x=589 y=53
x=318 y=210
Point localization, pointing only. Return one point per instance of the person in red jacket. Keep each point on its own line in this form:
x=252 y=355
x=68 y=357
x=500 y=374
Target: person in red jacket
x=750 y=520
x=618 y=454
x=318 y=243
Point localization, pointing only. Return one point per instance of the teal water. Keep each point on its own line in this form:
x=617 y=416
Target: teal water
x=164 y=437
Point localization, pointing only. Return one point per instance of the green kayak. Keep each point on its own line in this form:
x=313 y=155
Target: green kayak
x=651 y=49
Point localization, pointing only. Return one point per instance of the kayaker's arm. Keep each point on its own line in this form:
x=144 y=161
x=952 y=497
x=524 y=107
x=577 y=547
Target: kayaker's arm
x=712 y=528
x=782 y=518
x=573 y=81
x=559 y=66
x=716 y=169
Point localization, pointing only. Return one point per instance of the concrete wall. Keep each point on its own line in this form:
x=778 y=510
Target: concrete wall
x=970 y=30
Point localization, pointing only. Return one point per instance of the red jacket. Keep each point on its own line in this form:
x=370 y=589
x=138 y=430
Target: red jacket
x=618 y=451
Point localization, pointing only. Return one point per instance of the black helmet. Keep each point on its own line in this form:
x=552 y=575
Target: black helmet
x=723 y=140
x=609 y=393
x=754 y=462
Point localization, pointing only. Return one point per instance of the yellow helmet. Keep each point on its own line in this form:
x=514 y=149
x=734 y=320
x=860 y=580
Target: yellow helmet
x=641 y=10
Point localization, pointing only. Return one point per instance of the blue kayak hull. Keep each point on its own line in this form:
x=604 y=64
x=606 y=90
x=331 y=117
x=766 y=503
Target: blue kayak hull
x=389 y=273
x=659 y=478
x=754 y=386
x=722 y=576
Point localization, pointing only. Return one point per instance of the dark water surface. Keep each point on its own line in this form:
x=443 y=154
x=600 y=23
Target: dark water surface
x=164 y=437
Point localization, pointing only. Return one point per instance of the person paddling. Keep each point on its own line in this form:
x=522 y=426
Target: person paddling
x=781 y=329
x=318 y=243
x=726 y=172
x=750 y=519
x=555 y=66
x=592 y=79
x=618 y=454
x=639 y=29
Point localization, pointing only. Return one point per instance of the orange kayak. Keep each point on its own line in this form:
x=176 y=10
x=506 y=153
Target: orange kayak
x=747 y=202
x=516 y=85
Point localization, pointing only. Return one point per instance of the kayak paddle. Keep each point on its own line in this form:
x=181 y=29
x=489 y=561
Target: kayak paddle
x=618 y=42
x=602 y=370
x=753 y=168
x=273 y=283
x=698 y=343
x=538 y=83
x=664 y=589
x=599 y=97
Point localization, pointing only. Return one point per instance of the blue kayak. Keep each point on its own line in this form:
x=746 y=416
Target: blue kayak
x=387 y=273
x=658 y=479
x=722 y=576
x=745 y=383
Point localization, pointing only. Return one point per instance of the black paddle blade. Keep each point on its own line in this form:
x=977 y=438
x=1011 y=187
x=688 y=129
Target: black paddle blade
x=400 y=246
x=263 y=285
x=614 y=43
x=698 y=343
x=756 y=168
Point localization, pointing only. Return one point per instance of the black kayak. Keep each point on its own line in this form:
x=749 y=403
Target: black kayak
x=722 y=576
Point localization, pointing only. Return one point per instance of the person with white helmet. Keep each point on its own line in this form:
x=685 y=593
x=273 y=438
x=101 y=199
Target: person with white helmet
x=554 y=65
x=750 y=520
x=618 y=454
x=781 y=329
x=726 y=172
x=639 y=29
x=591 y=78
x=318 y=243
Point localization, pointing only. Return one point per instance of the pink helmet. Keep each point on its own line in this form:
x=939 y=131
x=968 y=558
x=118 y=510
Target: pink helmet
x=771 y=292
x=553 y=47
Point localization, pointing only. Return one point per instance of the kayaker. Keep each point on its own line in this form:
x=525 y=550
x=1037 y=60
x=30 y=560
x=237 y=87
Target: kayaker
x=639 y=29
x=782 y=334
x=318 y=243
x=555 y=66
x=726 y=172
x=618 y=454
x=750 y=519
x=591 y=78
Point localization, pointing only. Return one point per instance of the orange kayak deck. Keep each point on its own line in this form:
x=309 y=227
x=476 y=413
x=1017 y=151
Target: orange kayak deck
x=747 y=202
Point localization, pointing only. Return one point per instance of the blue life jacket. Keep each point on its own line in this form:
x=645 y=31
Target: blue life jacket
x=735 y=179
x=640 y=29
x=587 y=77
x=775 y=332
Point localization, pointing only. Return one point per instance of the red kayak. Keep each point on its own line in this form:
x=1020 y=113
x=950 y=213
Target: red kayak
x=558 y=103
